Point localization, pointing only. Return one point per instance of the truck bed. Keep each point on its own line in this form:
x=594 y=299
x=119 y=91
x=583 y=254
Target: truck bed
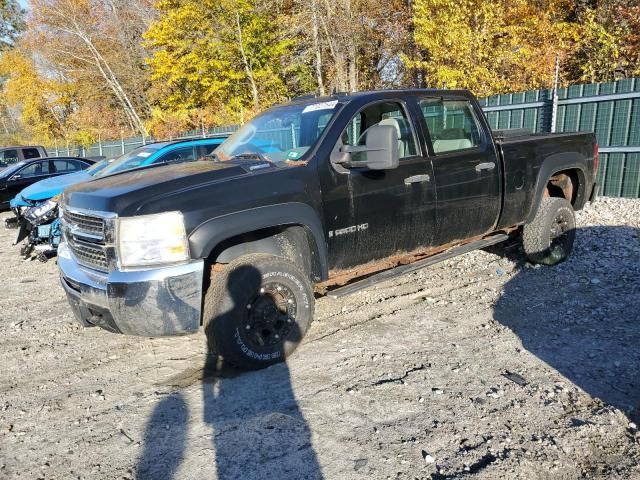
x=523 y=154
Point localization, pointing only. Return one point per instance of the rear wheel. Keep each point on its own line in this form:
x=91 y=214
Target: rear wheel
x=257 y=310
x=549 y=238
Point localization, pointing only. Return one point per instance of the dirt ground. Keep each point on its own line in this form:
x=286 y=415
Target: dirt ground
x=482 y=367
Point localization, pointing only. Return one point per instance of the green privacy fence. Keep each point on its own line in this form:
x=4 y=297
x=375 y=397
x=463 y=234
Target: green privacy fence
x=114 y=148
x=611 y=110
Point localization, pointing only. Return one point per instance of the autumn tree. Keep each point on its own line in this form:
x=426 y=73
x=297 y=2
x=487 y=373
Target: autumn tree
x=491 y=47
x=96 y=45
x=628 y=15
x=353 y=44
x=11 y=25
x=99 y=68
x=43 y=103
x=11 y=22
x=608 y=46
x=221 y=59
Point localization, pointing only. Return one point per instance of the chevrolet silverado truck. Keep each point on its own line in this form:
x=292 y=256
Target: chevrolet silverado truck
x=321 y=195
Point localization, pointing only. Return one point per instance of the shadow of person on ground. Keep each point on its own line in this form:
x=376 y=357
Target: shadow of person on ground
x=259 y=430
x=165 y=436
x=582 y=317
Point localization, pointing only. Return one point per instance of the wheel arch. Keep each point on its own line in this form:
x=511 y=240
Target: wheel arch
x=572 y=167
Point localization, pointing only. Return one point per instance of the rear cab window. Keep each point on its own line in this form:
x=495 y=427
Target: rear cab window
x=29 y=153
x=452 y=124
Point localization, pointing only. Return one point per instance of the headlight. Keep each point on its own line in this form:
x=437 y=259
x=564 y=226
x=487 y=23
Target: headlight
x=152 y=239
x=41 y=213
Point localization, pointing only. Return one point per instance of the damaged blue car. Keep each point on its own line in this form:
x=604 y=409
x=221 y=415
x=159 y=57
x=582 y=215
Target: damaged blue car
x=36 y=207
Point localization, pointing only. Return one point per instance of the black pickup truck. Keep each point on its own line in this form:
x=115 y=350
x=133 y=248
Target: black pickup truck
x=321 y=195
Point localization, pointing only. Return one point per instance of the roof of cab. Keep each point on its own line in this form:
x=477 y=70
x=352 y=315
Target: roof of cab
x=372 y=95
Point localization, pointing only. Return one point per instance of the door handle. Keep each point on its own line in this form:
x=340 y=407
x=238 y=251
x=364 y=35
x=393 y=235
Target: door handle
x=485 y=166
x=417 y=179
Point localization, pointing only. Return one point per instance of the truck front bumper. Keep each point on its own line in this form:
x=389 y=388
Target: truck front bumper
x=156 y=302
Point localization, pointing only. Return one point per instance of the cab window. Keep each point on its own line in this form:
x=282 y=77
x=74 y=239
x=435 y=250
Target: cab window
x=452 y=124
x=29 y=153
x=9 y=156
x=384 y=113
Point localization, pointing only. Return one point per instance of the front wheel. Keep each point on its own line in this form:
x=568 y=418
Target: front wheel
x=257 y=310
x=549 y=238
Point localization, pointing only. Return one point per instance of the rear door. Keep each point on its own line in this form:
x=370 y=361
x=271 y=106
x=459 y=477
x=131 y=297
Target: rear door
x=465 y=166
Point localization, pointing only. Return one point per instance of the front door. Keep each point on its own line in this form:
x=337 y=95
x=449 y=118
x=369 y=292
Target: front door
x=465 y=167
x=24 y=177
x=371 y=214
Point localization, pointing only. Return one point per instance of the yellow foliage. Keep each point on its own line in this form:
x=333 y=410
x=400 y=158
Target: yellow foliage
x=490 y=47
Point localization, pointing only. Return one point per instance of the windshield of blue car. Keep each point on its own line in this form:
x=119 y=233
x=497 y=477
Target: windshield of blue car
x=281 y=133
x=130 y=160
x=99 y=166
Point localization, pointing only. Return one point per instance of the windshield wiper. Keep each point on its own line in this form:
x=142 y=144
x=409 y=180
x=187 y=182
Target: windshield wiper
x=252 y=155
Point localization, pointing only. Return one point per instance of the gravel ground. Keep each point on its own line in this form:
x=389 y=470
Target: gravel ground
x=481 y=367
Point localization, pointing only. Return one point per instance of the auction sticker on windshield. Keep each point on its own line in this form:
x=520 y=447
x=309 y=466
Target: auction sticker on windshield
x=320 y=106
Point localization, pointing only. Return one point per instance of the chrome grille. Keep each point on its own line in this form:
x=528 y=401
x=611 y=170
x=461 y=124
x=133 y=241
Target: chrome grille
x=88 y=254
x=81 y=223
x=86 y=237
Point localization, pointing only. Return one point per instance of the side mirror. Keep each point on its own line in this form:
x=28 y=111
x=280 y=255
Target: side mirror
x=17 y=176
x=380 y=149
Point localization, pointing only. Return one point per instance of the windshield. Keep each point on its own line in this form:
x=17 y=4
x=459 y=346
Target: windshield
x=133 y=159
x=281 y=133
x=99 y=166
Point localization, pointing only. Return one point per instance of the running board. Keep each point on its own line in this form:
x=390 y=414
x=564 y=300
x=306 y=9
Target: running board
x=412 y=267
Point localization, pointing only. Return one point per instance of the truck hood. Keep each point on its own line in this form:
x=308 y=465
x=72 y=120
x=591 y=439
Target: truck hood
x=50 y=187
x=127 y=192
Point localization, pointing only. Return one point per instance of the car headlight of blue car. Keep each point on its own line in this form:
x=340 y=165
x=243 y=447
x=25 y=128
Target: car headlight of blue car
x=42 y=213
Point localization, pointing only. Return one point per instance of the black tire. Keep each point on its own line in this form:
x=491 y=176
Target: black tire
x=26 y=249
x=549 y=238
x=11 y=223
x=257 y=310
